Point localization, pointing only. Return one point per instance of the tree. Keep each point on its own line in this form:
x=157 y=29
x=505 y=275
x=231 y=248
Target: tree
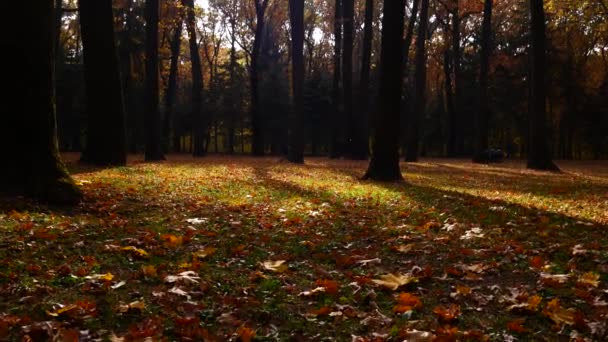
x=384 y=165
x=348 y=8
x=170 y=93
x=198 y=118
x=420 y=81
x=36 y=168
x=336 y=135
x=296 y=140
x=361 y=137
x=409 y=36
x=257 y=144
x=154 y=151
x=106 y=132
x=483 y=112
x=539 y=155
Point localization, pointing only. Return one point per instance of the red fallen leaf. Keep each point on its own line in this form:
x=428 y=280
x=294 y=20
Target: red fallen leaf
x=345 y=261
x=190 y=328
x=149 y=327
x=537 y=262
x=516 y=326
x=33 y=269
x=407 y=302
x=323 y=311
x=447 y=314
x=330 y=286
x=446 y=334
x=453 y=271
x=245 y=334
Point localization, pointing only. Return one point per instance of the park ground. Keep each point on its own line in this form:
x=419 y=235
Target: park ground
x=236 y=248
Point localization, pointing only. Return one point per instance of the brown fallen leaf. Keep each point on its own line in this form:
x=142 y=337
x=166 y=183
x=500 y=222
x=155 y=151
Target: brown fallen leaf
x=204 y=253
x=559 y=314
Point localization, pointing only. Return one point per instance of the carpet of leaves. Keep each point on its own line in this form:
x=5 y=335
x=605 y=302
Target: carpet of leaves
x=258 y=249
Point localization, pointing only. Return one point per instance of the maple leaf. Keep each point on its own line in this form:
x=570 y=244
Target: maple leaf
x=322 y=311
x=149 y=270
x=516 y=326
x=407 y=302
x=136 y=251
x=530 y=305
x=62 y=310
x=277 y=266
x=418 y=336
x=404 y=248
x=330 y=286
x=136 y=305
x=104 y=277
x=589 y=279
x=245 y=334
x=189 y=276
x=394 y=281
x=171 y=240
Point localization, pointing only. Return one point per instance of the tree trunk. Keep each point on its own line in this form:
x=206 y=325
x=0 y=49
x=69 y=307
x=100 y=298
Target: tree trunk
x=154 y=151
x=170 y=94
x=296 y=140
x=257 y=144
x=233 y=89
x=198 y=119
x=384 y=165
x=36 y=168
x=106 y=132
x=483 y=112
x=420 y=81
x=126 y=56
x=459 y=119
x=539 y=156
x=361 y=142
x=348 y=8
x=336 y=127
x=409 y=36
x=449 y=95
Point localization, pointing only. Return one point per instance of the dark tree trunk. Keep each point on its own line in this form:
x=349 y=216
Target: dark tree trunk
x=539 y=155
x=413 y=137
x=483 y=112
x=233 y=89
x=57 y=32
x=154 y=151
x=34 y=169
x=361 y=142
x=106 y=134
x=384 y=165
x=409 y=36
x=449 y=95
x=336 y=124
x=348 y=7
x=170 y=94
x=198 y=119
x=126 y=51
x=257 y=143
x=458 y=115
x=296 y=140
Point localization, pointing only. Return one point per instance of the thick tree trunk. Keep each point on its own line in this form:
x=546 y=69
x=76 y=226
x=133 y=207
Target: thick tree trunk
x=171 y=91
x=106 y=132
x=539 y=156
x=257 y=143
x=409 y=36
x=361 y=142
x=459 y=118
x=413 y=137
x=384 y=165
x=336 y=124
x=483 y=112
x=154 y=151
x=296 y=139
x=126 y=56
x=348 y=7
x=36 y=168
x=198 y=119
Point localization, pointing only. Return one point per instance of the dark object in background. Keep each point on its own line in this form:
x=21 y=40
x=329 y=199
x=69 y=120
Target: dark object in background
x=494 y=155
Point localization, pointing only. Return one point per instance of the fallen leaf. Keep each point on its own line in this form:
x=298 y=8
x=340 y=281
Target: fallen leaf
x=277 y=266
x=447 y=314
x=245 y=334
x=590 y=279
x=189 y=276
x=407 y=302
x=149 y=270
x=136 y=251
x=558 y=314
x=516 y=326
x=394 y=281
x=205 y=252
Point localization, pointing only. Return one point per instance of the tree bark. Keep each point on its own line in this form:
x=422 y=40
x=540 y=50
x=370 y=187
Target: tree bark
x=154 y=151
x=36 y=168
x=458 y=118
x=336 y=127
x=106 y=132
x=361 y=148
x=483 y=112
x=409 y=36
x=257 y=144
x=420 y=92
x=296 y=140
x=348 y=8
x=171 y=91
x=198 y=119
x=233 y=90
x=384 y=165
x=539 y=156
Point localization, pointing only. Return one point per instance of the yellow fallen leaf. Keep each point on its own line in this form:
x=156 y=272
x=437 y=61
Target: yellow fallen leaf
x=394 y=281
x=405 y=248
x=277 y=266
x=171 y=240
x=137 y=305
x=149 y=270
x=559 y=314
x=205 y=252
x=61 y=310
x=136 y=251
x=590 y=278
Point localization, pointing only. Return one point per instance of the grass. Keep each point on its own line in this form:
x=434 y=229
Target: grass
x=485 y=239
